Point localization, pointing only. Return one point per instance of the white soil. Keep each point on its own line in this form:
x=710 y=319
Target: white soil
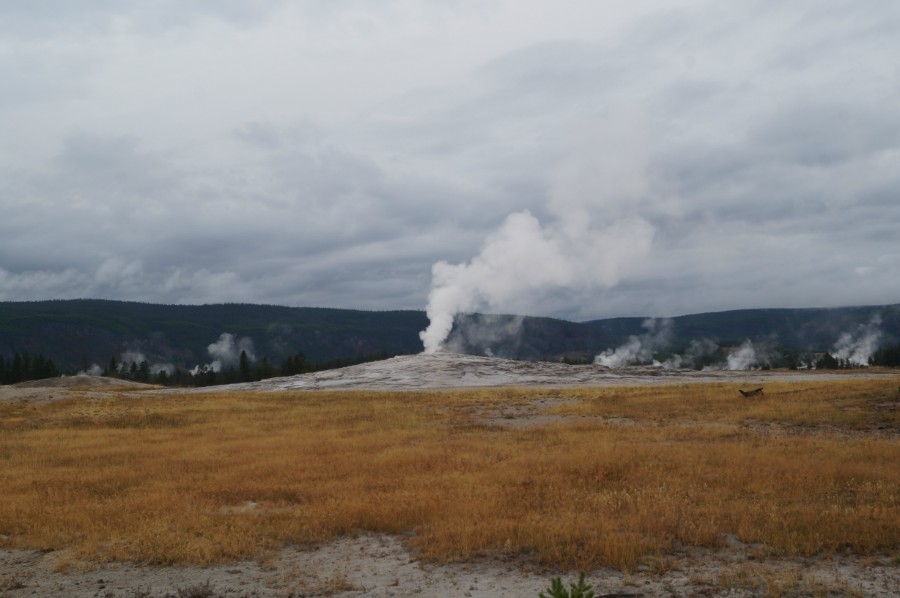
x=449 y=370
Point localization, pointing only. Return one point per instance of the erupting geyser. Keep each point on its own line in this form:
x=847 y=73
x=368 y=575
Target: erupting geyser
x=595 y=231
x=522 y=257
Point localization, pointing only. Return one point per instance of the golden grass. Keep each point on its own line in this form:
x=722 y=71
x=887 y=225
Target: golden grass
x=202 y=478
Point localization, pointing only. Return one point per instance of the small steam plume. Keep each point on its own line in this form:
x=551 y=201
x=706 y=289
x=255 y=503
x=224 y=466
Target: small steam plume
x=697 y=354
x=745 y=357
x=129 y=357
x=858 y=346
x=639 y=348
x=94 y=370
x=226 y=352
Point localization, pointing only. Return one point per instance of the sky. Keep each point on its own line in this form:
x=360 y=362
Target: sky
x=576 y=159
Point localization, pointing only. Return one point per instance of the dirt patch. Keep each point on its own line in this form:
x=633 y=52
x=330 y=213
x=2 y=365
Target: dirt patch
x=381 y=566
x=83 y=381
x=67 y=387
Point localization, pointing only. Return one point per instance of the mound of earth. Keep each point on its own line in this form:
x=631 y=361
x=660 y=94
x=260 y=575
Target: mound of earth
x=452 y=370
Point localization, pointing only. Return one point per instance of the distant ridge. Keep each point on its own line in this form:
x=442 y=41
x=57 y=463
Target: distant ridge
x=790 y=329
x=79 y=333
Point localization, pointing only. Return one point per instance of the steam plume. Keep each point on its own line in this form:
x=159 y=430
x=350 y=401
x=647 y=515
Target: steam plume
x=523 y=257
x=639 y=348
x=591 y=238
x=226 y=352
x=698 y=352
x=129 y=357
x=94 y=370
x=744 y=358
x=857 y=347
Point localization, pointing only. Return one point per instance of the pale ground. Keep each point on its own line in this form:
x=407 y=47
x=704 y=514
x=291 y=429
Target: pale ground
x=378 y=565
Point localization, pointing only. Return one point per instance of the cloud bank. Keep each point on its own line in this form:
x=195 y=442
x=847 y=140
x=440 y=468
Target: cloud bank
x=656 y=159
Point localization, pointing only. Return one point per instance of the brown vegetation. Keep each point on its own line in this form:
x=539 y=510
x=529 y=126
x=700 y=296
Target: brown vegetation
x=201 y=478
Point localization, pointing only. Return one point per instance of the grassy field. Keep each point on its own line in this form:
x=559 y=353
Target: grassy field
x=616 y=475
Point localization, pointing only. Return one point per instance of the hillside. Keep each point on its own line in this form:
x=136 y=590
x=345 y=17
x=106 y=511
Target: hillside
x=785 y=330
x=79 y=333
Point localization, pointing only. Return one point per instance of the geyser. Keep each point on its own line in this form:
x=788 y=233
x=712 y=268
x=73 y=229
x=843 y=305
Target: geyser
x=592 y=234
x=523 y=257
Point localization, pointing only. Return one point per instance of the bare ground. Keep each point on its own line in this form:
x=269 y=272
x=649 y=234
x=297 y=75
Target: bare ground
x=447 y=370
x=380 y=565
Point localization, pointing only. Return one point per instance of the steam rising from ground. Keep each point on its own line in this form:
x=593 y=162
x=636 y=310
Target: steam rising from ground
x=698 y=353
x=639 y=348
x=644 y=348
x=126 y=359
x=94 y=370
x=858 y=346
x=591 y=239
x=226 y=352
x=745 y=357
x=137 y=357
x=524 y=257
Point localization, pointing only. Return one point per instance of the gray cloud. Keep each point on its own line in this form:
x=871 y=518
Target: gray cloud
x=306 y=154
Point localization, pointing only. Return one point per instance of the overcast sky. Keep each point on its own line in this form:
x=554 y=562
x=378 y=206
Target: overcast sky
x=328 y=153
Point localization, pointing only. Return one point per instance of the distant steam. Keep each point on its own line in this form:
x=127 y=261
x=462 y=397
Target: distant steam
x=858 y=346
x=645 y=349
x=94 y=370
x=137 y=357
x=226 y=352
x=639 y=348
x=745 y=357
x=698 y=353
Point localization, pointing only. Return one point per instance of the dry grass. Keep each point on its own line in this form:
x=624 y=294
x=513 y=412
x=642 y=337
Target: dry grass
x=849 y=404
x=770 y=582
x=211 y=477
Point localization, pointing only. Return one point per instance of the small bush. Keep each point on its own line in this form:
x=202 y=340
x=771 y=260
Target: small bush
x=579 y=590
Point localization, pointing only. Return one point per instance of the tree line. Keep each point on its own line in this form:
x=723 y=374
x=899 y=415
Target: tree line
x=22 y=367
x=245 y=371
x=887 y=356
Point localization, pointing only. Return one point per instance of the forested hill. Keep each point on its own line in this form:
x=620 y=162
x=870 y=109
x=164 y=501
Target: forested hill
x=78 y=333
x=779 y=332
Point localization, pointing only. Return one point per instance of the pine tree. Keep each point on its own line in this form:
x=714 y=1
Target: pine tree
x=245 y=367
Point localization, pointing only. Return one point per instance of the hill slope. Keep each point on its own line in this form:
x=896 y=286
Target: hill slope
x=78 y=333
x=811 y=329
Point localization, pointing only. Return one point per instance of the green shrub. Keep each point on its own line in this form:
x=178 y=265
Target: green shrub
x=579 y=590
